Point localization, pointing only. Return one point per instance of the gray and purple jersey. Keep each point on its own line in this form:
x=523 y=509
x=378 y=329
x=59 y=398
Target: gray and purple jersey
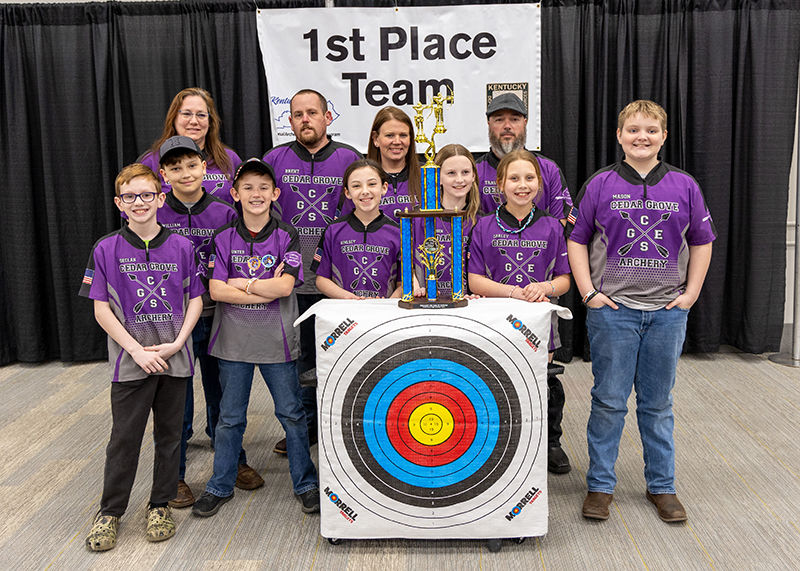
x=536 y=254
x=215 y=182
x=638 y=232
x=148 y=287
x=361 y=260
x=554 y=198
x=198 y=224
x=259 y=333
x=444 y=272
x=310 y=189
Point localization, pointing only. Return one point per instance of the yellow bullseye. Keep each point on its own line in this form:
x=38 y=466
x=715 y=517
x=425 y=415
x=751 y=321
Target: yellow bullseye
x=430 y=424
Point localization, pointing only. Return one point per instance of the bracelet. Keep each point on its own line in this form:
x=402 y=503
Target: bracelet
x=247 y=286
x=554 y=289
x=512 y=290
x=589 y=296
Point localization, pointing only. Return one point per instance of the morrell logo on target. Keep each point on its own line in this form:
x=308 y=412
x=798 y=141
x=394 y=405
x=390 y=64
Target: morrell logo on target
x=530 y=336
x=346 y=511
x=344 y=328
x=532 y=495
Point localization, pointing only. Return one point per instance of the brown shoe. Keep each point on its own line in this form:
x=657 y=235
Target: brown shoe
x=185 y=497
x=280 y=447
x=248 y=479
x=670 y=508
x=595 y=506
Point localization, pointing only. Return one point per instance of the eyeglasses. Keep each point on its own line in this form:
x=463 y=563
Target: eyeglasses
x=130 y=198
x=187 y=115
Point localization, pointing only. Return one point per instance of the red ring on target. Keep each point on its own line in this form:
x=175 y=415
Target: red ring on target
x=443 y=394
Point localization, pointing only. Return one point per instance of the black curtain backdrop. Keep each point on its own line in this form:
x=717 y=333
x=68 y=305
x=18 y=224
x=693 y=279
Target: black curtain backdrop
x=85 y=88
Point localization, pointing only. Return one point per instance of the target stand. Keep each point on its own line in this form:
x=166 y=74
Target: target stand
x=432 y=424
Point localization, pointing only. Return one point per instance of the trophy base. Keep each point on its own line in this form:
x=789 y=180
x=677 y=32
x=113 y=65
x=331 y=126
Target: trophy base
x=422 y=303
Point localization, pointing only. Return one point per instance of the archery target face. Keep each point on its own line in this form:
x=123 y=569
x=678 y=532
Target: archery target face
x=431 y=427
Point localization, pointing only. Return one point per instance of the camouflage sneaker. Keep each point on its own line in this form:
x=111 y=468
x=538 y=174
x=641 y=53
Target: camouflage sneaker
x=103 y=535
x=159 y=524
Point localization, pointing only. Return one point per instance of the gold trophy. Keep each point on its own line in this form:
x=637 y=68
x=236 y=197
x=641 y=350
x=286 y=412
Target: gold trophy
x=431 y=250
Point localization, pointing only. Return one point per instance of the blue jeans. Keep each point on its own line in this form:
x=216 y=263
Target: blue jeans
x=236 y=379
x=211 y=388
x=639 y=349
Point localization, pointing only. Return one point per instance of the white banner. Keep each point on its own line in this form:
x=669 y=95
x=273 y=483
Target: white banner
x=432 y=423
x=363 y=59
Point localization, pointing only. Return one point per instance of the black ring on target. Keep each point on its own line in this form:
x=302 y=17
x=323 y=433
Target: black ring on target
x=495 y=459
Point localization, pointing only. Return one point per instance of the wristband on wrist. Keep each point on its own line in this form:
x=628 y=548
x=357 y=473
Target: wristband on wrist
x=512 y=290
x=554 y=289
x=247 y=286
x=589 y=296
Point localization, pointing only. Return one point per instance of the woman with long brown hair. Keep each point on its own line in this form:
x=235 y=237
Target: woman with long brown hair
x=391 y=144
x=194 y=115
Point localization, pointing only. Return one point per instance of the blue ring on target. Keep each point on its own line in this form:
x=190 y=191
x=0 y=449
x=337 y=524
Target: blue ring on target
x=387 y=389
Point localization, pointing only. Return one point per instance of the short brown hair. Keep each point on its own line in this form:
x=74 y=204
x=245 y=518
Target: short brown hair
x=133 y=171
x=645 y=107
x=323 y=103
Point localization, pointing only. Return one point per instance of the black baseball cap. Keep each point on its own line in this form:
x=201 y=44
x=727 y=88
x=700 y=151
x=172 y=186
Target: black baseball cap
x=507 y=101
x=175 y=144
x=255 y=165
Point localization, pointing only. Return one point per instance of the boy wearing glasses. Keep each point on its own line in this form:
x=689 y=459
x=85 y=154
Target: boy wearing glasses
x=147 y=297
x=191 y=211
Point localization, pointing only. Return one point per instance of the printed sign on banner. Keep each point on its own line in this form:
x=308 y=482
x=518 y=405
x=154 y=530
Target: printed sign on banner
x=363 y=59
x=432 y=423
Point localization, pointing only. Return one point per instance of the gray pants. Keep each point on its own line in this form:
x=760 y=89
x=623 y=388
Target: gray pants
x=131 y=402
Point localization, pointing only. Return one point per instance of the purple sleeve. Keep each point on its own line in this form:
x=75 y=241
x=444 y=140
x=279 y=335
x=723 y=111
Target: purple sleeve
x=558 y=198
x=475 y=264
x=561 y=266
x=701 y=227
x=220 y=258
x=95 y=285
x=196 y=287
x=293 y=259
x=584 y=224
x=322 y=257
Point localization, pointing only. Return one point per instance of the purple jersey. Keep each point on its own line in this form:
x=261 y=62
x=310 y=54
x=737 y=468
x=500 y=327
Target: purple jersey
x=444 y=272
x=536 y=254
x=148 y=287
x=197 y=223
x=310 y=189
x=554 y=198
x=364 y=261
x=638 y=231
x=215 y=182
x=256 y=332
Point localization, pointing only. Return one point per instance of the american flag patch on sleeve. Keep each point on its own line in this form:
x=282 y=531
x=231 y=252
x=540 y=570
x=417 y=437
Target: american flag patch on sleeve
x=211 y=259
x=572 y=217
x=318 y=255
x=88 y=276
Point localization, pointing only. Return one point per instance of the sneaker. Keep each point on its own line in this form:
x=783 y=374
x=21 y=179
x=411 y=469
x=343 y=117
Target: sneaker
x=310 y=501
x=103 y=535
x=247 y=478
x=208 y=504
x=185 y=497
x=159 y=524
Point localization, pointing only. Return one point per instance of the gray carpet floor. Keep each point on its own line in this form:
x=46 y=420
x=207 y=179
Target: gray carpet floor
x=738 y=472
